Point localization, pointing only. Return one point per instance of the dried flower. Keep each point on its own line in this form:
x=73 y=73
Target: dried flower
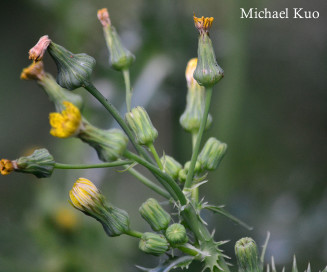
x=6 y=167
x=33 y=72
x=36 y=53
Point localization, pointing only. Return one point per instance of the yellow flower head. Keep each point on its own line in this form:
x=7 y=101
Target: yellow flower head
x=190 y=68
x=6 y=167
x=103 y=17
x=203 y=24
x=65 y=219
x=33 y=72
x=36 y=53
x=84 y=194
x=67 y=123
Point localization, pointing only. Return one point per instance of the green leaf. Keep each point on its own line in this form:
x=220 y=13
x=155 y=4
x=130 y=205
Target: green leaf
x=222 y=211
x=170 y=264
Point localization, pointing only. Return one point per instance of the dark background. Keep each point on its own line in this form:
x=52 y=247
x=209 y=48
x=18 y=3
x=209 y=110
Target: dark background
x=270 y=109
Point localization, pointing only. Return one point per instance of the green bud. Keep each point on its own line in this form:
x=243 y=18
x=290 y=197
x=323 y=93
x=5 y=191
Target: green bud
x=176 y=234
x=140 y=123
x=40 y=164
x=171 y=166
x=154 y=244
x=247 y=255
x=74 y=70
x=86 y=197
x=154 y=214
x=207 y=72
x=109 y=144
x=183 y=173
x=120 y=57
x=212 y=153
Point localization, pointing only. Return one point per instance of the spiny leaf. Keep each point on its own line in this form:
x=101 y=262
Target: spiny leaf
x=170 y=264
x=294 y=268
x=222 y=211
x=262 y=257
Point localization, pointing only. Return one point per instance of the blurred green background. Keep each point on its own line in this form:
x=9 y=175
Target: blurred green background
x=270 y=109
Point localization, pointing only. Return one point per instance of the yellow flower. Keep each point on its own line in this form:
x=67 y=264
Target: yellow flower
x=33 y=72
x=84 y=194
x=65 y=219
x=67 y=123
x=190 y=68
x=203 y=24
x=6 y=167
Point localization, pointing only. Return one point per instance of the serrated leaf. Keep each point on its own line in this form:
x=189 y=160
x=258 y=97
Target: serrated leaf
x=170 y=264
x=220 y=210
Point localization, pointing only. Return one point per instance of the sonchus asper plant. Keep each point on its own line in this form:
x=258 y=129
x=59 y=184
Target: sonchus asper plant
x=178 y=233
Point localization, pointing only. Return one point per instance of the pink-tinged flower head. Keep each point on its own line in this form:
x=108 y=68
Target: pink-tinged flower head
x=36 y=53
x=103 y=17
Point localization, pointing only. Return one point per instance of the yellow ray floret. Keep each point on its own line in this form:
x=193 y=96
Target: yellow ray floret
x=67 y=123
x=203 y=24
x=190 y=68
x=83 y=194
x=6 y=167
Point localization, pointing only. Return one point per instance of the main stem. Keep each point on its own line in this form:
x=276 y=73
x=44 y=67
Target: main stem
x=87 y=166
x=189 y=178
x=128 y=89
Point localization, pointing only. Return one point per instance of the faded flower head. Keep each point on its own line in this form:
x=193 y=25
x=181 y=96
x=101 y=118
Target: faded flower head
x=67 y=123
x=6 y=167
x=36 y=53
x=103 y=17
x=203 y=24
x=33 y=72
x=190 y=68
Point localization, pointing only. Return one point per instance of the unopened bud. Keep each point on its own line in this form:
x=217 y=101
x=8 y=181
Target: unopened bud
x=120 y=57
x=176 y=234
x=140 y=123
x=86 y=197
x=74 y=70
x=109 y=144
x=195 y=102
x=207 y=72
x=170 y=166
x=183 y=173
x=212 y=154
x=247 y=255
x=154 y=214
x=154 y=244
x=40 y=164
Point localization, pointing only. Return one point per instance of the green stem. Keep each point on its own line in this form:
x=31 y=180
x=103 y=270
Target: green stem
x=147 y=182
x=188 y=251
x=194 y=136
x=155 y=155
x=167 y=182
x=134 y=233
x=128 y=89
x=189 y=178
x=87 y=166
x=115 y=114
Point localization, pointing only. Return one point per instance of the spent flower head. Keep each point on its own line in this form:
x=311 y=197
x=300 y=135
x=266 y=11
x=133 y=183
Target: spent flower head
x=203 y=24
x=37 y=51
x=33 y=72
x=6 y=167
x=67 y=123
x=103 y=16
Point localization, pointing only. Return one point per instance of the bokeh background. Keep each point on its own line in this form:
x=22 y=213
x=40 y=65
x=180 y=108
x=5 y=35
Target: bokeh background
x=270 y=109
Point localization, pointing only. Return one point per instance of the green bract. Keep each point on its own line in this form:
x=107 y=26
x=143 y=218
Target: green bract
x=171 y=166
x=140 y=123
x=40 y=164
x=212 y=153
x=74 y=70
x=109 y=144
x=154 y=214
x=154 y=244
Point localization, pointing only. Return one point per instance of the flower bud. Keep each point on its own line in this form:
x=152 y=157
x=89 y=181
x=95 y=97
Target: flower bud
x=56 y=94
x=152 y=243
x=207 y=72
x=74 y=70
x=176 y=234
x=120 y=57
x=109 y=144
x=212 y=154
x=183 y=173
x=6 y=167
x=195 y=102
x=40 y=163
x=247 y=255
x=140 y=123
x=154 y=214
x=170 y=166
x=67 y=123
x=86 y=197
